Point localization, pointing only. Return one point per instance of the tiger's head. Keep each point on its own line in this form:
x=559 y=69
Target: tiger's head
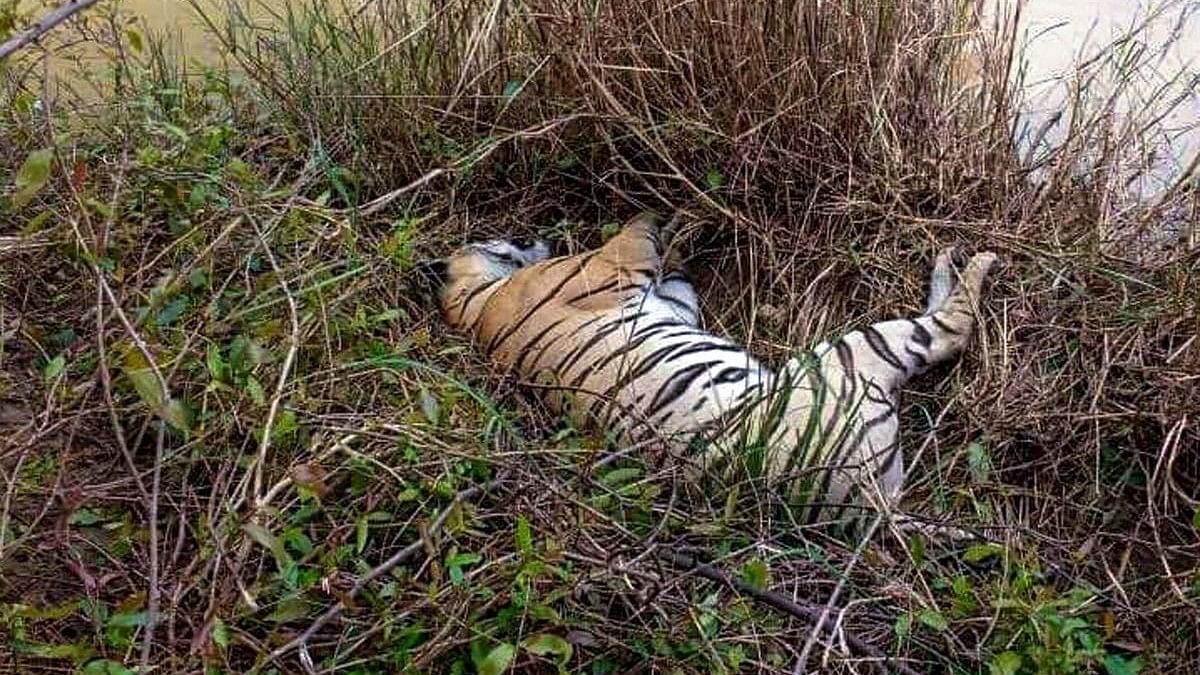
x=459 y=281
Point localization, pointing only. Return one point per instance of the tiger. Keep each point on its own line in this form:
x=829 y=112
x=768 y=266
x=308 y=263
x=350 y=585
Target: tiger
x=613 y=338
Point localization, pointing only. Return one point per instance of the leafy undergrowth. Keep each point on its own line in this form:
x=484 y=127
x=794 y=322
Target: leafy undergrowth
x=224 y=409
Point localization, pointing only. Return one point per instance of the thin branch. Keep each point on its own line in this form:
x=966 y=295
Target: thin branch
x=43 y=26
x=154 y=597
x=397 y=558
x=808 y=613
x=471 y=159
x=286 y=370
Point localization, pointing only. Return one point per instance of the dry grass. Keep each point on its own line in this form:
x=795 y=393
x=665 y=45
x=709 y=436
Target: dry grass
x=223 y=410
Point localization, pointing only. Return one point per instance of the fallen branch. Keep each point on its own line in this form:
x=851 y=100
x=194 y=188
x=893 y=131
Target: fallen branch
x=397 y=558
x=43 y=26
x=777 y=601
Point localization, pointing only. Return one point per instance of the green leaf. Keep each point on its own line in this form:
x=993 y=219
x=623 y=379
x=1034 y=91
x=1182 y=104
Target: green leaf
x=980 y=552
x=77 y=652
x=265 y=538
x=735 y=657
x=36 y=224
x=128 y=619
x=218 y=370
x=220 y=634
x=731 y=503
x=1008 y=663
x=298 y=541
x=54 y=368
x=362 y=528
x=137 y=369
x=84 y=518
x=1119 y=665
x=756 y=575
x=903 y=625
x=979 y=462
x=255 y=390
x=511 y=89
x=289 y=609
x=524 y=537
x=174 y=309
x=135 y=40
x=933 y=619
x=105 y=667
x=916 y=547
x=1196 y=518
x=455 y=562
x=146 y=383
x=545 y=644
x=429 y=406
x=621 y=476
x=32 y=176
x=498 y=660
x=177 y=414
x=714 y=179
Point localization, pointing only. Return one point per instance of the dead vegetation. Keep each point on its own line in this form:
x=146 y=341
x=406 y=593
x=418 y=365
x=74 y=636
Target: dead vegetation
x=225 y=413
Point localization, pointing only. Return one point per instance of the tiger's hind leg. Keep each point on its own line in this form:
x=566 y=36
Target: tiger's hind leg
x=865 y=368
x=943 y=279
x=890 y=352
x=641 y=249
x=674 y=289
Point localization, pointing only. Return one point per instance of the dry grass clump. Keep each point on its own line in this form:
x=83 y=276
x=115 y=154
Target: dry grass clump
x=234 y=439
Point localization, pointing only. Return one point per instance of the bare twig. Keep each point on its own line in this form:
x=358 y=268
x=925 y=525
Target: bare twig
x=379 y=203
x=817 y=616
x=154 y=596
x=284 y=372
x=397 y=558
x=43 y=26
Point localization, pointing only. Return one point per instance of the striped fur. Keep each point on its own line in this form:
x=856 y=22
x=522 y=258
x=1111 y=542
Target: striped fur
x=614 y=337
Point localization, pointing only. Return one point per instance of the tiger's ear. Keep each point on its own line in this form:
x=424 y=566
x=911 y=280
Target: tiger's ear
x=428 y=278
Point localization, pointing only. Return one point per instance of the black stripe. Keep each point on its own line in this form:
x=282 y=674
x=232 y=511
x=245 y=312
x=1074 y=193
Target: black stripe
x=728 y=376
x=846 y=358
x=528 y=348
x=573 y=356
x=677 y=302
x=880 y=346
x=699 y=403
x=943 y=325
x=611 y=288
x=883 y=397
x=616 y=353
x=648 y=363
x=677 y=385
x=632 y=417
x=835 y=462
x=706 y=346
x=640 y=339
x=733 y=417
x=477 y=290
x=920 y=335
x=891 y=458
x=592 y=291
x=516 y=325
x=919 y=358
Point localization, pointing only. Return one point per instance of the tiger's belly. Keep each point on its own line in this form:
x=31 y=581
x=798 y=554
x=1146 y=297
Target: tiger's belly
x=641 y=371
